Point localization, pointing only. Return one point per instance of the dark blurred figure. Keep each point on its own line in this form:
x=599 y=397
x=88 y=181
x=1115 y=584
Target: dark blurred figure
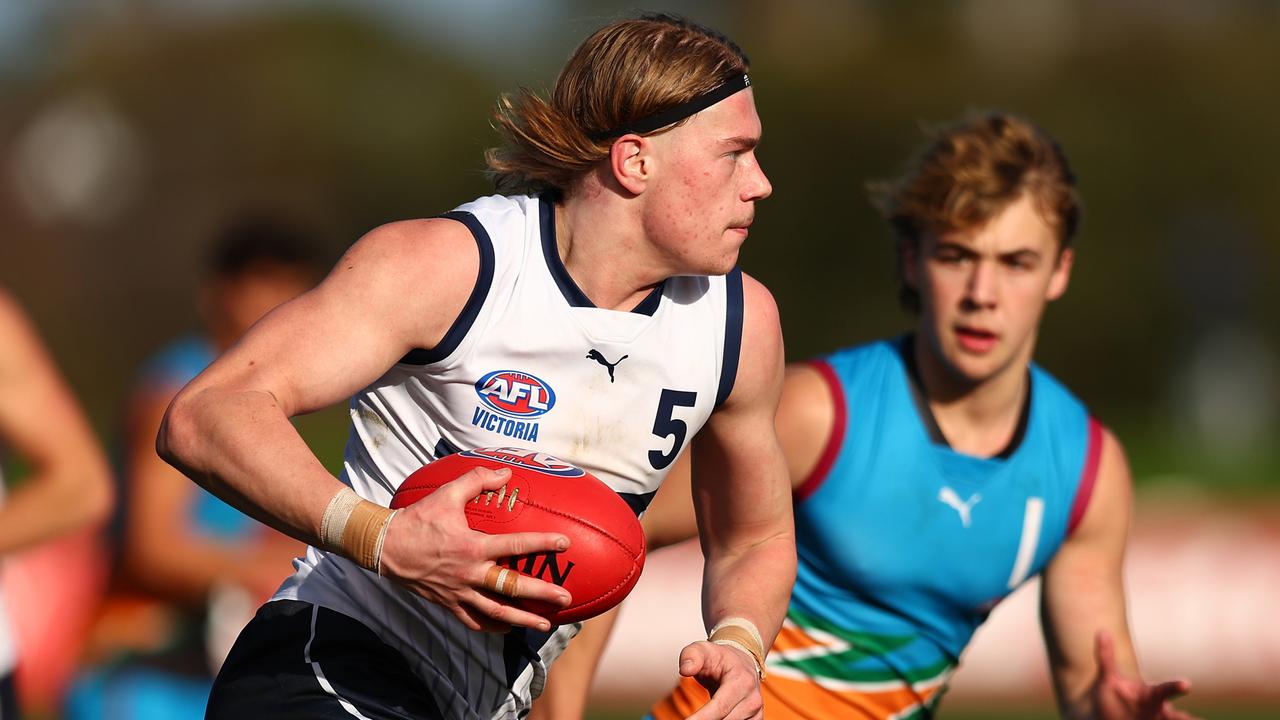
x=69 y=485
x=192 y=568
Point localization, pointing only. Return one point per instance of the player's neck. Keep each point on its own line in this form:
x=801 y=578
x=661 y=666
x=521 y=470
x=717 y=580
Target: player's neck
x=603 y=249
x=977 y=418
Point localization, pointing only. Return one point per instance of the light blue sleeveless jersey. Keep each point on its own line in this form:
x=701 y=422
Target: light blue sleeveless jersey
x=905 y=545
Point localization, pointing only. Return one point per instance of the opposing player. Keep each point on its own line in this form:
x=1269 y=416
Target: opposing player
x=69 y=486
x=185 y=552
x=936 y=472
x=640 y=182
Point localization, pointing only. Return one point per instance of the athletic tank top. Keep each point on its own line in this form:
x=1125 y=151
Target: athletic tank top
x=905 y=545
x=530 y=364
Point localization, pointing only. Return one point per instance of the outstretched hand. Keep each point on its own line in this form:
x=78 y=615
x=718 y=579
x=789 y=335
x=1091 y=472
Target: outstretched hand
x=430 y=549
x=730 y=675
x=1117 y=697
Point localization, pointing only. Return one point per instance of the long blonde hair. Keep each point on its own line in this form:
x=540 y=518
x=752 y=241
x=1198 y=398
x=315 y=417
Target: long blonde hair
x=625 y=71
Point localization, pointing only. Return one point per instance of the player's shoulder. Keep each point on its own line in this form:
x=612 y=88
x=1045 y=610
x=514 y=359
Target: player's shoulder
x=412 y=237
x=463 y=234
x=761 y=324
x=873 y=357
x=1053 y=396
x=757 y=371
x=759 y=306
x=405 y=257
x=810 y=394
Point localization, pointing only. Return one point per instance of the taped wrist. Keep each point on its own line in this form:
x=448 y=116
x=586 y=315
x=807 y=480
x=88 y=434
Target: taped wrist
x=741 y=633
x=356 y=528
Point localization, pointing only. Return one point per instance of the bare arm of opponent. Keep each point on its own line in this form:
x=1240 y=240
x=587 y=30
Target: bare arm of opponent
x=1082 y=607
x=398 y=288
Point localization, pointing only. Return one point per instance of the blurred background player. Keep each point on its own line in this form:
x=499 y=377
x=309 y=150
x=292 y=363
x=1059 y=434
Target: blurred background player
x=936 y=472
x=630 y=202
x=68 y=486
x=192 y=568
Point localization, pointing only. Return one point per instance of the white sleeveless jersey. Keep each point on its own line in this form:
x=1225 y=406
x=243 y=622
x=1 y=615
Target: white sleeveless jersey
x=530 y=363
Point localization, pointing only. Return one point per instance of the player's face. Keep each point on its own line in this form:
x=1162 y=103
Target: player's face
x=703 y=202
x=982 y=292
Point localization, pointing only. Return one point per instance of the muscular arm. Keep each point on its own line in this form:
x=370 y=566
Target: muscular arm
x=398 y=288
x=1082 y=607
x=742 y=496
x=229 y=430
x=741 y=488
x=40 y=420
x=803 y=423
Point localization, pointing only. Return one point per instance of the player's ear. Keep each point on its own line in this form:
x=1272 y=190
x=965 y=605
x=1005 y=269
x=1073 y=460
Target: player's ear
x=631 y=161
x=1061 y=274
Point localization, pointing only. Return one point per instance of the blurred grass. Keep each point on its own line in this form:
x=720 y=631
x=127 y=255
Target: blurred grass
x=1167 y=461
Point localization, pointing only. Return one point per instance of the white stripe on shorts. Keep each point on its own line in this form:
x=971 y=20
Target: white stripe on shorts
x=315 y=666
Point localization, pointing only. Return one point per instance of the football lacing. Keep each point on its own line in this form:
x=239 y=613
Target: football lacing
x=501 y=494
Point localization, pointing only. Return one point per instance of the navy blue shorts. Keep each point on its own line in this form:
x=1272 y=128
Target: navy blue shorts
x=298 y=660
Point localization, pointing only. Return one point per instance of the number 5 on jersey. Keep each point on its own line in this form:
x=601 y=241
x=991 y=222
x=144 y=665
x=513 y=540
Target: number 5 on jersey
x=666 y=425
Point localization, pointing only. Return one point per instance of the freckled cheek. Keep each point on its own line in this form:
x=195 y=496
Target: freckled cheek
x=694 y=208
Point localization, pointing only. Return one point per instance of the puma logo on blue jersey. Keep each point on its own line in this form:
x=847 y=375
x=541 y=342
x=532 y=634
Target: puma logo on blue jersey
x=594 y=354
x=964 y=507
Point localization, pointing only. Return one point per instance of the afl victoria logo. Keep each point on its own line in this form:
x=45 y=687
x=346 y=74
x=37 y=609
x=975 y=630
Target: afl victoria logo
x=515 y=394
x=527 y=459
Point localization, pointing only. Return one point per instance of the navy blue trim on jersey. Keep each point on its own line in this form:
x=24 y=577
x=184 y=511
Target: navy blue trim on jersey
x=638 y=502
x=484 y=280
x=732 y=334
x=572 y=293
x=649 y=305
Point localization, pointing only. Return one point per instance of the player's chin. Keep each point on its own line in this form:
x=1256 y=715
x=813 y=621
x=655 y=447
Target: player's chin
x=975 y=370
x=721 y=264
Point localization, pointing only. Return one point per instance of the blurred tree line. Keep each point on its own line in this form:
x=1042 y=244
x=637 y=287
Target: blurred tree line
x=131 y=131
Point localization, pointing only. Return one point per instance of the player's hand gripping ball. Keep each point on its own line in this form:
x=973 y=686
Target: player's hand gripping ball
x=606 y=543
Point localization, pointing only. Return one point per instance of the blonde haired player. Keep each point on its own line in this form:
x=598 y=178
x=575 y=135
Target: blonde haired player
x=631 y=191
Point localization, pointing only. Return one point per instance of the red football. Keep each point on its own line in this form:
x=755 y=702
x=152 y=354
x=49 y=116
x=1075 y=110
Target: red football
x=544 y=494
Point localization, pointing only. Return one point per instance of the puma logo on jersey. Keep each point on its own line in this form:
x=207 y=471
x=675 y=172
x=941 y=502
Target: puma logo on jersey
x=964 y=507
x=594 y=354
